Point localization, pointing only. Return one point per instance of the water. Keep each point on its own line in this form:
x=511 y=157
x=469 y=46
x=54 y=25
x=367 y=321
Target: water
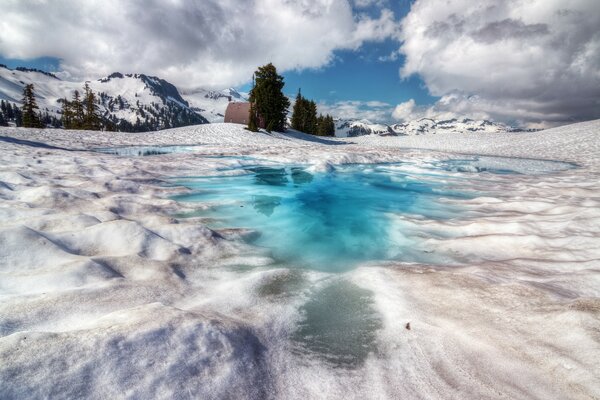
x=324 y=221
x=333 y=221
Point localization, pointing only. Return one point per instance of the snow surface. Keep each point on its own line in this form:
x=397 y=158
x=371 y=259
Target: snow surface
x=106 y=292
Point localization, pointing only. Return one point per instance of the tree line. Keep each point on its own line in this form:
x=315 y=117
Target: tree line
x=81 y=112
x=269 y=107
x=305 y=119
x=78 y=113
x=11 y=113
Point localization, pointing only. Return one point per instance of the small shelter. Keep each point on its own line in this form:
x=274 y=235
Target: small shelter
x=239 y=113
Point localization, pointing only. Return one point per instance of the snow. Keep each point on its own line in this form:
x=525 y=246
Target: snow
x=130 y=87
x=212 y=104
x=106 y=292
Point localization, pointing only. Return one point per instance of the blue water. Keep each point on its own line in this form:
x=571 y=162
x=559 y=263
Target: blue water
x=325 y=221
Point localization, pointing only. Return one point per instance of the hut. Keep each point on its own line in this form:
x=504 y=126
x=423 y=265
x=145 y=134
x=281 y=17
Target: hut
x=239 y=112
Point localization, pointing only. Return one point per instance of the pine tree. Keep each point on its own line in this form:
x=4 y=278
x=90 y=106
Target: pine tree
x=268 y=98
x=252 y=119
x=30 y=117
x=77 y=109
x=330 y=131
x=3 y=121
x=67 y=114
x=91 y=119
x=18 y=115
x=10 y=115
x=304 y=115
x=298 y=113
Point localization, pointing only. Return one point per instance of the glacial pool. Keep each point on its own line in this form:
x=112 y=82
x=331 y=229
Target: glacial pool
x=332 y=221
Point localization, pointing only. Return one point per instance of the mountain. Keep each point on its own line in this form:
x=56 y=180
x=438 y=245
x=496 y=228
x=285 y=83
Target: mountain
x=133 y=102
x=138 y=102
x=211 y=104
x=423 y=126
x=352 y=128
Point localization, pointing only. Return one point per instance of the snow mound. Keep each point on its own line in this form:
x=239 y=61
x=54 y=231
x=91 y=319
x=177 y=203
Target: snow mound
x=190 y=354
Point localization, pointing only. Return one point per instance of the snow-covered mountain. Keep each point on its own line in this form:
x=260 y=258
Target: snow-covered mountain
x=134 y=102
x=211 y=104
x=423 y=126
x=431 y=126
x=138 y=102
x=352 y=128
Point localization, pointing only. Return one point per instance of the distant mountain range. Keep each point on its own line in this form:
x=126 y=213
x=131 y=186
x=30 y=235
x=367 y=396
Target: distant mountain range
x=134 y=102
x=423 y=126
x=138 y=102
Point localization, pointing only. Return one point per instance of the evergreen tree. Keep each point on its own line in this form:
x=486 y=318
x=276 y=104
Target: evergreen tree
x=252 y=119
x=270 y=102
x=298 y=113
x=18 y=115
x=311 y=118
x=67 y=114
x=10 y=115
x=30 y=117
x=330 y=131
x=77 y=109
x=304 y=115
x=321 y=125
x=3 y=121
x=91 y=119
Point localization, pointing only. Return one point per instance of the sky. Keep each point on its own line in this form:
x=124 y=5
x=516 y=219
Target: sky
x=531 y=63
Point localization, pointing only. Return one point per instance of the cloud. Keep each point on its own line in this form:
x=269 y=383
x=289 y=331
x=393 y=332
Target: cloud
x=213 y=43
x=404 y=111
x=525 y=61
x=373 y=111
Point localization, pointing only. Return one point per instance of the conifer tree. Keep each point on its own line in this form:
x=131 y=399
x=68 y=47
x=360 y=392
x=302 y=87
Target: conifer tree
x=67 y=114
x=77 y=109
x=10 y=115
x=18 y=115
x=3 y=121
x=298 y=113
x=270 y=102
x=330 y=131
x=91 y=119
x=30 y=117
x=252 y=119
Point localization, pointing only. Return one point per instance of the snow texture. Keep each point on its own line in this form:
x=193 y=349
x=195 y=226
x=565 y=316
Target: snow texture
x=106 y=291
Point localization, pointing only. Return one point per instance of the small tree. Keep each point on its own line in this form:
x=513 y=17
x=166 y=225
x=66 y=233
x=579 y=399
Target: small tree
x=270 y=102
x=91 y=119
x=298 y=112
x=77 y=111
x=30 y=117
x=67 y=114
x=252 y=119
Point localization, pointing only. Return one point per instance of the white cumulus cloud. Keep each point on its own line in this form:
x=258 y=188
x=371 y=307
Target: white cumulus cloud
x=214 y=43
x=404 y=111
x=531 y=61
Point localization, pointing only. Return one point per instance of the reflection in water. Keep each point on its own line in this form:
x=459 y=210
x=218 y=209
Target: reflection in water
x=265 y=204
x=270 y=176
x=339 y=325
x=300 y=176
